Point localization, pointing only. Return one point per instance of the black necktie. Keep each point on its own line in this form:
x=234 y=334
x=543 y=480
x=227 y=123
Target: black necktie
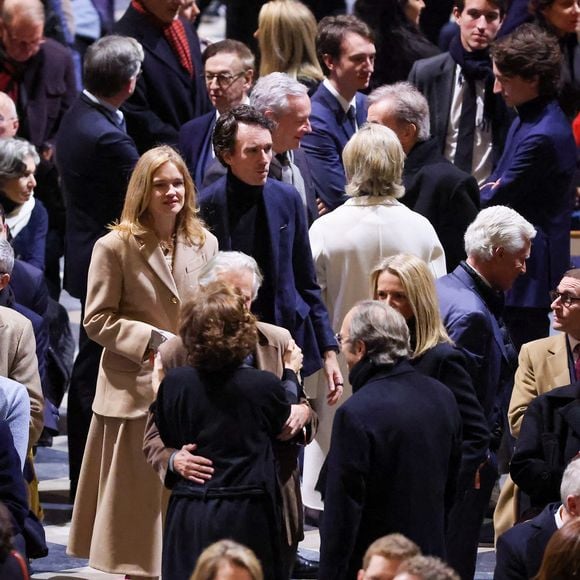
x=465 y=139
x=350 y=121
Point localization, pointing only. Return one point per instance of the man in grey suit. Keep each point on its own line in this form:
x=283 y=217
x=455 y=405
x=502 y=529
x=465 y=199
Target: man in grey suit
x=286 y=103
x=467 y=119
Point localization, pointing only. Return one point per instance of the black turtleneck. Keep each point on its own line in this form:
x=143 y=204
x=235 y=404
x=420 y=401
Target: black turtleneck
x=249 y=233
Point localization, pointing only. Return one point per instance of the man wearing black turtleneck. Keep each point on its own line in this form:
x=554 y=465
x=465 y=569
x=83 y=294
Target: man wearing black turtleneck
x=468 y=120
x=534 y=174
x=265 y=219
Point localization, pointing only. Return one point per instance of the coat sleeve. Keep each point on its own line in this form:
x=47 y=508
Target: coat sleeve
x=156 y=454
x=325 y=162
x=348 y=469
x=104 y=320
x=532 y=471
x=454 y=375
x=524 y=392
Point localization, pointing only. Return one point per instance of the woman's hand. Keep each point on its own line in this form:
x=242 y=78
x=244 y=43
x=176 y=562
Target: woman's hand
x=293 y=357
x=193 y=467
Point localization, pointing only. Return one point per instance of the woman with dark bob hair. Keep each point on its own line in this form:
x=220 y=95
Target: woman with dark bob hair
x=232 y=411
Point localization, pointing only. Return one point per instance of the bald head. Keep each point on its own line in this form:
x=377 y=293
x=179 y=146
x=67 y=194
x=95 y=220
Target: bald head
x=8 y=117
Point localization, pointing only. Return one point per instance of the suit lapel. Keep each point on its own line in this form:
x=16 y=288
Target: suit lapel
x=276 y=226
x=443 y=91
x=336 y=110
x=153 y=256
x=557 y=361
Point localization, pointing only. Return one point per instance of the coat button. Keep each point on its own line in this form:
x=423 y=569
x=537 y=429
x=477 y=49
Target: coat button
x=174 y=300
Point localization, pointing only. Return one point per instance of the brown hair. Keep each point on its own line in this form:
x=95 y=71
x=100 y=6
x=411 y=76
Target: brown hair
x=217 y=330
x=133 y=216
x=530 y=52
x=561 y=559
x=331 y=31
x=393 y=546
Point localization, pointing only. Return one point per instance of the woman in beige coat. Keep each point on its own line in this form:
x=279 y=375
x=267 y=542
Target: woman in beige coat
x=140 y=274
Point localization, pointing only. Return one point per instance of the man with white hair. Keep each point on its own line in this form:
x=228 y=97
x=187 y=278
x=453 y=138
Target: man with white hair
x=519 y=551
x=8 y=117
x=447 y=196
x=471 y=298
x=286 y=103
x=398 y=426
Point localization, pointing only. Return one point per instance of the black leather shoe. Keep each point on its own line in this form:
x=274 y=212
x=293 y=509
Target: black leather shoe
x=304 y=568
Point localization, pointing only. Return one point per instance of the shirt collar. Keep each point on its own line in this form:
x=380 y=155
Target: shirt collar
x=558 y=517
x=346 y=105
x=103 y=104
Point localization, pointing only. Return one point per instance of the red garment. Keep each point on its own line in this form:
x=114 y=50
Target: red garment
x=175 y=35
x=576 y=129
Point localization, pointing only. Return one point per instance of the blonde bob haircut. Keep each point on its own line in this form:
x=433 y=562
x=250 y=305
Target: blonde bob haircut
x=224 y=552
x=373 y=162
x=134 y=215
x=287 y=39
x=419 y=286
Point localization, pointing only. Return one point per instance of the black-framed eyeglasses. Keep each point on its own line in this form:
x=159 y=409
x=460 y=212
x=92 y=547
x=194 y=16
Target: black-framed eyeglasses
x=565 y=298
x=340 y=339
x=222 y=79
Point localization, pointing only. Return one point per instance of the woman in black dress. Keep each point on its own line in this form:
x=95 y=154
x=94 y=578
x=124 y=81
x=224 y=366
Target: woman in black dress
x=232 y=412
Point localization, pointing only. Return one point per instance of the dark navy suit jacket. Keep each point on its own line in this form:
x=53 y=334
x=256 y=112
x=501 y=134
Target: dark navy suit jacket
x=398 y=429
x=296 y=294
x=330 y=133
x=30 y=243
x=520 y=550
x=195 y=144
x=535 y=174
x=95 y=158
x=475 y=330
x=434 y=78
x=29 y=287
x=166 y=96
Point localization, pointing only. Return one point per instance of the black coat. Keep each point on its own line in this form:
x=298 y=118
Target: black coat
x=232 y=417
x=445 y=195
x=549 y=439
x=391 y=467
x=447 y=364
x=166 y=96
x=520 y=550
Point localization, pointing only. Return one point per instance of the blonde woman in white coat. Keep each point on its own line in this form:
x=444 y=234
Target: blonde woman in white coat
x=348 y=242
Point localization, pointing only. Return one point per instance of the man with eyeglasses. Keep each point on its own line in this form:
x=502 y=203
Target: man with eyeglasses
x=543 y=365
x=469 y=121
x=229 y=67
x=36 y=73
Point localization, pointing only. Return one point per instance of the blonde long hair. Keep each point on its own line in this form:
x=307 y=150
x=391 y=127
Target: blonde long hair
x=287 y=33
x=419 y=286
x=139 y=195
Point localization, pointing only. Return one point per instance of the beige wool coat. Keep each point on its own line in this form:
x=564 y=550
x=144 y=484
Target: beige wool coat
x=131 y=291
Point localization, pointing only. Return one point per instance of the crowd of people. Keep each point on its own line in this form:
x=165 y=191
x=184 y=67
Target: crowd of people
x=317 y=263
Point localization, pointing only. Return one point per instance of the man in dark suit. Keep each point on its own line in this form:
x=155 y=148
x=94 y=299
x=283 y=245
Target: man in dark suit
x=395 y=416
x=229 y=68
x=171 y=90
x=346 y=50
x=534 y=174
x=471 y=298
x=468 y=121
x=95 y=157
x=265 y=219
x=434 y=187
x=285 y=102
x=520 y=550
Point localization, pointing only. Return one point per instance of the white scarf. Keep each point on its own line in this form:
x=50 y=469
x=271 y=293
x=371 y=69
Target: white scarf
x=20 y=216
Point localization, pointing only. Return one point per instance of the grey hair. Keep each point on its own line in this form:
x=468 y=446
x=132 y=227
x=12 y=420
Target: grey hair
x=6 y=257
x=226 y=262
x=408 y=105
x=13 y=154
x=373 y=162
x=272 y=91
x=570 y=481
x=110 y=63
x=497 y=227
x=383 y=331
